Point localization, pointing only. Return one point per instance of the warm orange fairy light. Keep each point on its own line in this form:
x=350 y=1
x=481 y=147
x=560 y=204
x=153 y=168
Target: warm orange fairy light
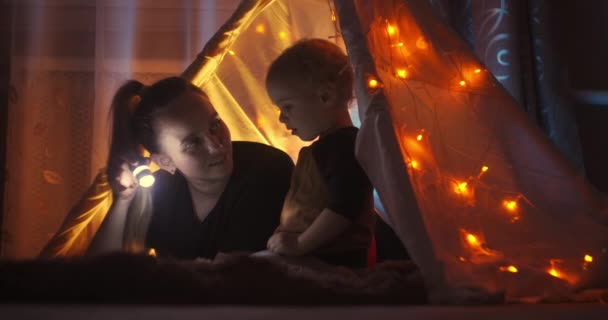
x=402 y=73
x=461 y=187
x=400 y=44
x=511 y=205
x=391 y=30
x=414 y=164
x=372 y=83
x=555 y=273
x=419 y=137
x=421 y=43
x=260 y=28
x=588 y=258
x=231 y=52
x=484 y=168
x=333 y=17
x=477 y=70
x=511 y=269
x=152 y=252
x=472 y=240
x=283 y=34
x=462 y=83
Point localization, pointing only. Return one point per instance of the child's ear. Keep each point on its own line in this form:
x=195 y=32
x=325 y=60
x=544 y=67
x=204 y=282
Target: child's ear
x=164 y=162
x=328 y=94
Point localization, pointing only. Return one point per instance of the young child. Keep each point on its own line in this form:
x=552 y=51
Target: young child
x=328 y=211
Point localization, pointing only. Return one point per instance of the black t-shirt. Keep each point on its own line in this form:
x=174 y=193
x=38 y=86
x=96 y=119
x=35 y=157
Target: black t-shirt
x=244 y=217
x=349 y=188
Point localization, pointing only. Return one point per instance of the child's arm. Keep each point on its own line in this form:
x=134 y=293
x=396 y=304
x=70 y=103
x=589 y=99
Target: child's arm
x=324 y=229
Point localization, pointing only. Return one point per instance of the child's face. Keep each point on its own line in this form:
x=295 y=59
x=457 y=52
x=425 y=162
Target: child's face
x=302 y=109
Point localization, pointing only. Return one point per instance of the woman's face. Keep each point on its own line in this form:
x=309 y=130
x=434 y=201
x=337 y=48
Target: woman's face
x=195 y=139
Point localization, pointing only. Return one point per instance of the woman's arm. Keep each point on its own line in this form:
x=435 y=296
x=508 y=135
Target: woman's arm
x=323 y=230
x=110 y=235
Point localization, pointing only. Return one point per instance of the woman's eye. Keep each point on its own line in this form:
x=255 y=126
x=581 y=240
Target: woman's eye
x=191 y=145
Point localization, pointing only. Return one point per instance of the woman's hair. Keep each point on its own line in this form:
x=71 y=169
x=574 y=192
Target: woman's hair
x=135 y=109
x=316 y=62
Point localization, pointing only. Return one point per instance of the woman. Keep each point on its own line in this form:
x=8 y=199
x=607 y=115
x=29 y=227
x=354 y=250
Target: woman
x=212 y=195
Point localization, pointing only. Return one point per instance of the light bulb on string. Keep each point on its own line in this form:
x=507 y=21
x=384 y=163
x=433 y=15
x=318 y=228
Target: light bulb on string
x=462 y=83
x=391 y=30
x=511 y=269
x=461 y=188
x=373 y=83
x=422 y=44
x=557 y=273
x=260 y=28
x=587 y=260
x=477 y=70
x=414 y=164
x=283 y=35
x=402 y=73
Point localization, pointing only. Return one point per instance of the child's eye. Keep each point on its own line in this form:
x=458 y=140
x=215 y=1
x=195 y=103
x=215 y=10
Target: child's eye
x=215 y=124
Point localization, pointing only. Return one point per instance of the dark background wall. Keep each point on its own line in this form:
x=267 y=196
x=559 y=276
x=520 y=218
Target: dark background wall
x=582 y=27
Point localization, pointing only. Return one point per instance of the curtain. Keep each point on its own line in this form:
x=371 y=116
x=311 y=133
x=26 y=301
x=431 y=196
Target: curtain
x=516 y=40
x=67 y=58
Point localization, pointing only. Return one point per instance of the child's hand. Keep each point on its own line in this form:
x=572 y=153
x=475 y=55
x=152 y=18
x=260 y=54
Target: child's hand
x=285 y=243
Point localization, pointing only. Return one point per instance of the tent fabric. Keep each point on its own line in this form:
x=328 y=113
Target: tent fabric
x=483 y=202
x=498 y=209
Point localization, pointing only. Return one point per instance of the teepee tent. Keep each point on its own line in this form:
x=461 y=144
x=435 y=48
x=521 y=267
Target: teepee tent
x=481 y=199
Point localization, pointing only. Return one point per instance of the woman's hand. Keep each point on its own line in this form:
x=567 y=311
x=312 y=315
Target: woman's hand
x=285 y=243
x=123 y=182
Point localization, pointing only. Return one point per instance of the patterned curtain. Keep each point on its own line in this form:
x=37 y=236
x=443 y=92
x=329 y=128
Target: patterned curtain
x=515 y=39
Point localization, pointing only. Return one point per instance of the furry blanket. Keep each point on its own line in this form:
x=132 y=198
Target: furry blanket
x=234 y=279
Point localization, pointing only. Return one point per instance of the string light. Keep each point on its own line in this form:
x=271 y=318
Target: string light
x=260 y=28
x=373 y=83
x=477 y=71
x=461 y=188
x=152 y=252
x=462 y=83
x=552 y=271
x=511 y=205
x=282 y=34
x=231 y=52
x=472 y=240
x=391 y=30
x=333 y=16
x=484 y=168
x=588 y=258
x=402 y=73
x=419 y=137
x=414 y=164
x=421 y=43
x=511 y=269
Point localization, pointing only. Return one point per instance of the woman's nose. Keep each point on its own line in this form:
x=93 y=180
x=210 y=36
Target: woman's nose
x=214 y=144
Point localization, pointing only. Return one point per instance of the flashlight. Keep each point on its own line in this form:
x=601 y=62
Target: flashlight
x=143 y=175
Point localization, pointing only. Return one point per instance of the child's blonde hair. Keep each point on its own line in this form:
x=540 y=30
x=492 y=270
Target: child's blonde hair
x=318 y=62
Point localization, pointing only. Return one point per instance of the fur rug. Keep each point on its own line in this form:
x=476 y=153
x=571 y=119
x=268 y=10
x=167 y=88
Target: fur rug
x=233 y=279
